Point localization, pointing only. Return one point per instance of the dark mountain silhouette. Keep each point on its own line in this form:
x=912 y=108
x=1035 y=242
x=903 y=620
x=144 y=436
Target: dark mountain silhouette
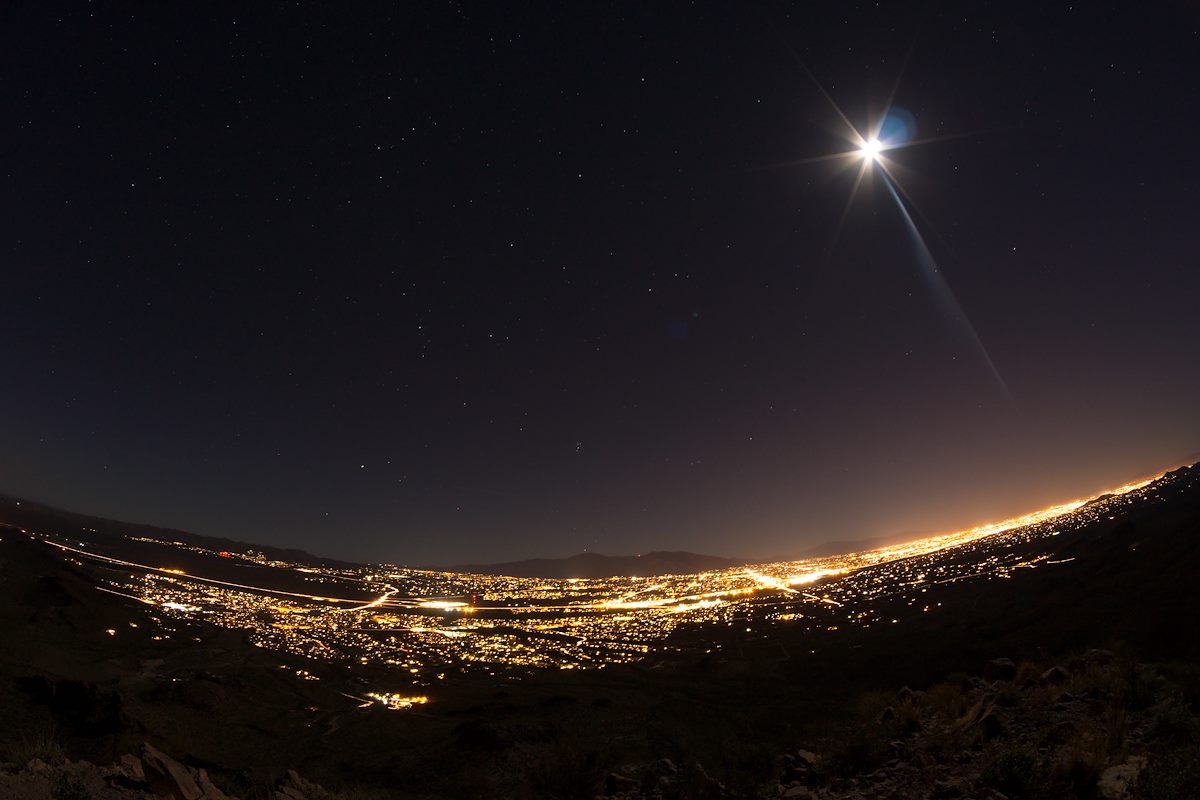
x=32 y=514
x=595 y=565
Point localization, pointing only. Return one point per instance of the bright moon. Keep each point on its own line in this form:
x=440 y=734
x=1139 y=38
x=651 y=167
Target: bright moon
x=870 y=149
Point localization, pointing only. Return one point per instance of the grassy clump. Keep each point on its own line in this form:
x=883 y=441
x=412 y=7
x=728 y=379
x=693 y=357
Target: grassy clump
x=1015 y=773
x=40 y=742
x=1175 y=776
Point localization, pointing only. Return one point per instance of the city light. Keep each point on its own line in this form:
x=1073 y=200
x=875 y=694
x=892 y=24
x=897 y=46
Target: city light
x=418 y=623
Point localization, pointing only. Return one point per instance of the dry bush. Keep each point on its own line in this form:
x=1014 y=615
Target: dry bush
x=1173 y=776
x=41 y=742
x=1078 y=765
x=1016 y=772
x=949 y=700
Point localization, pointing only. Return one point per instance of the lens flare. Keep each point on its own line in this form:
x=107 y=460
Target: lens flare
x=871 y=149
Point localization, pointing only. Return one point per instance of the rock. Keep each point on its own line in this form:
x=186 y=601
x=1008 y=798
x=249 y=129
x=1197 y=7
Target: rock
x=167 y=776
x=665 y=766
x=294 y=787
x=797 y=792
x=808 y=757
x=202 y=695
x=616 y=783
x=1115 y=782
x=210 y=792
x=887 y=715
x=974 y=713
x=37 y=766
x=904 y=695
x=1054 y=676
x=1000 y=669
x=989 y=723
x=709 y=786
x=127 y=773
x=946 y=788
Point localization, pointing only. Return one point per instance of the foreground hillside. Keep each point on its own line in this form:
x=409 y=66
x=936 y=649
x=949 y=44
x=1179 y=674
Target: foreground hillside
x=1039 y=684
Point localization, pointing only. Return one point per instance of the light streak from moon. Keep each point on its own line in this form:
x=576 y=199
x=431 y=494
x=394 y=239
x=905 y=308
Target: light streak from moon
x=940 y=287
x=869 y=151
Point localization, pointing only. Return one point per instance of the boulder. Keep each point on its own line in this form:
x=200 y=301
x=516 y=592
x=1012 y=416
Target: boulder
x=616 y=783
x=167 y=776
x=1000 y=669
x=665 y=766
x=1054 y=676
x=210 y=791
x=983 y=717
x=989 y=723
x=708 y=785
x=1116 y=782
x=127 y=773
x=294 y=787
x=202 y=695
x=946 y=788
x=37 y=766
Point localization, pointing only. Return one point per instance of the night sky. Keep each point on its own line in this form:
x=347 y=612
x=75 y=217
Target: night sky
x=455 y=282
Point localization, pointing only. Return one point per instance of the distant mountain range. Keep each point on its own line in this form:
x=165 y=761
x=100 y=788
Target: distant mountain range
x=17 y=511
x=659 y=562
x=595 y=565
x=32 y=514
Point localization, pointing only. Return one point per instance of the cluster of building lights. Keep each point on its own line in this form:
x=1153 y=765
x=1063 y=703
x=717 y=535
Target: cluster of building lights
x=422 y=625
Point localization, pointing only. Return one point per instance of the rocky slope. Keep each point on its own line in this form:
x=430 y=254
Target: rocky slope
x=151 y=776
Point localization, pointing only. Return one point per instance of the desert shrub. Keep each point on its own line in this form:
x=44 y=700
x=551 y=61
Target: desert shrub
x=1016 y=773
x=943 y=742
x=245 y=784
x=949 y=700
x=1172 y=723
x=1078 y=767
x=562 y=771
x=1115 y=727
x=39 y=742
x=858 y=750
x=69 y=787
x=1175 y=776
x=694 y=783
x=1009 y=695
x=363 y=793
x=747 y=768
x=1027 y=673
x=1144 y=688
x=1185 y=676
x=868 y=705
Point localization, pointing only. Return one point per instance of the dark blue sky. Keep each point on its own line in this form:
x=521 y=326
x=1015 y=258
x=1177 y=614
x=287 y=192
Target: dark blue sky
x=454 y=283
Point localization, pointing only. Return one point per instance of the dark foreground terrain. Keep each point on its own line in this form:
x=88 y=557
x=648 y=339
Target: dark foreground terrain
x=1081 y=681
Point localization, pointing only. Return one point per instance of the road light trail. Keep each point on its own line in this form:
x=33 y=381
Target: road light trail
x=183 y=575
